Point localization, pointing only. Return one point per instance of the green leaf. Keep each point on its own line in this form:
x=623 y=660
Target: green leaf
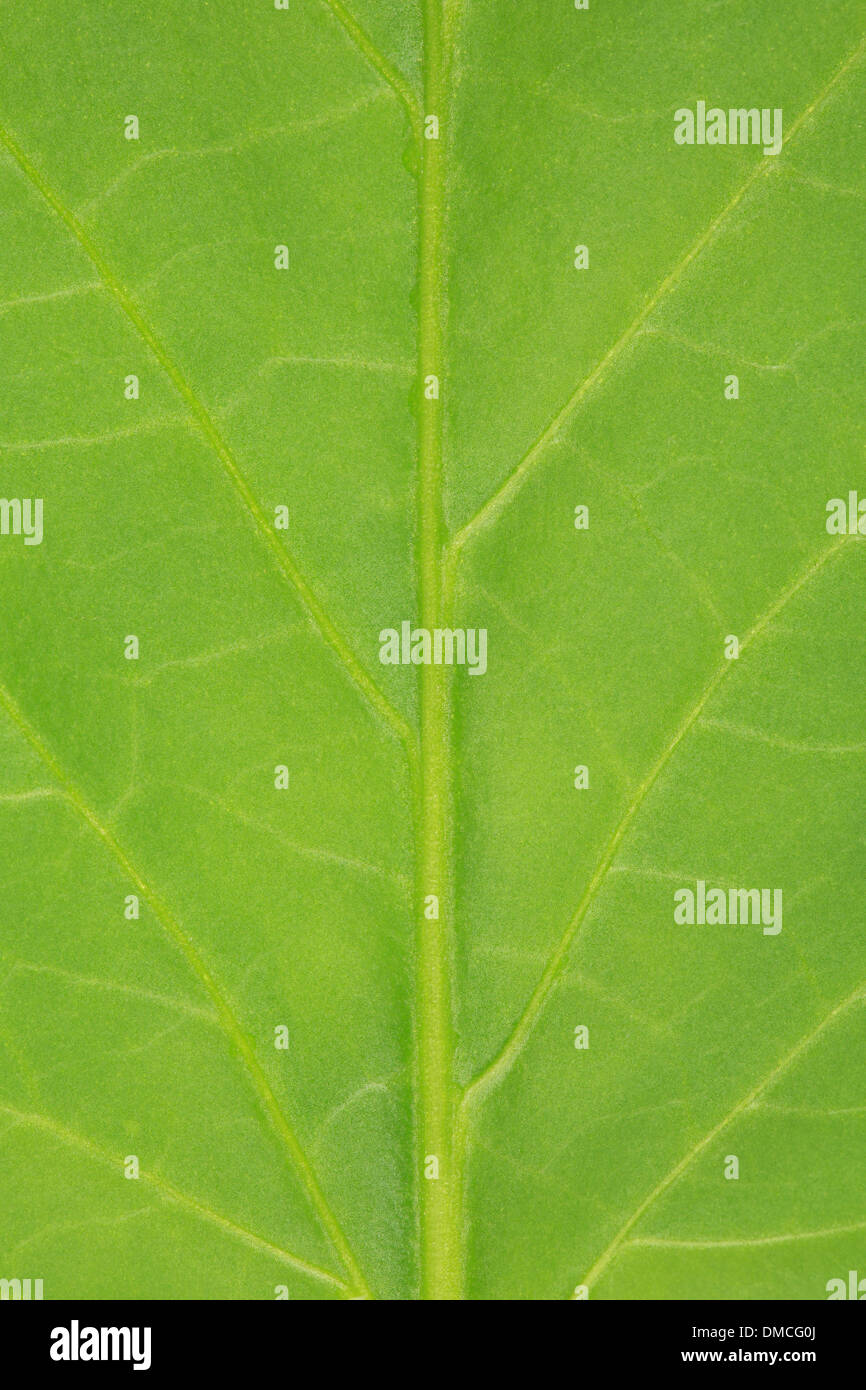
x=284 y=811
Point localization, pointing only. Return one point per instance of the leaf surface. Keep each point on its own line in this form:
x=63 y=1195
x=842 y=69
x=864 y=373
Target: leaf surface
x=305 y=908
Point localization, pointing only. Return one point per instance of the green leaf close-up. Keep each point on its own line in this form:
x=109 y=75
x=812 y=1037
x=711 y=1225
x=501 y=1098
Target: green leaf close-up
x=432 y=656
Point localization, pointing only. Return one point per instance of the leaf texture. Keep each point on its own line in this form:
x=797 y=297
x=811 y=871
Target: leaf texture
x=430 y=910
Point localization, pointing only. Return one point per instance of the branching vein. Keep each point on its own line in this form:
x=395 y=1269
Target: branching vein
x=508 y=490
x=280 y=556
x=809 y=1039
x=217 y=995
x=499 y=1068
x=169 y=1193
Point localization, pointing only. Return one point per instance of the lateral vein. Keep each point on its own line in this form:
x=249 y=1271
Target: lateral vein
x=377 y=60
x=501 y=1065
x=279 y=554
x=857 y=995
x=505 y=493
x=172 y=1194
x=227 y=1017
x=663 y=1243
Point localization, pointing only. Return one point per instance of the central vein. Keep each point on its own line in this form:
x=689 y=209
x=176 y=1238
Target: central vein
x=438 y=1180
